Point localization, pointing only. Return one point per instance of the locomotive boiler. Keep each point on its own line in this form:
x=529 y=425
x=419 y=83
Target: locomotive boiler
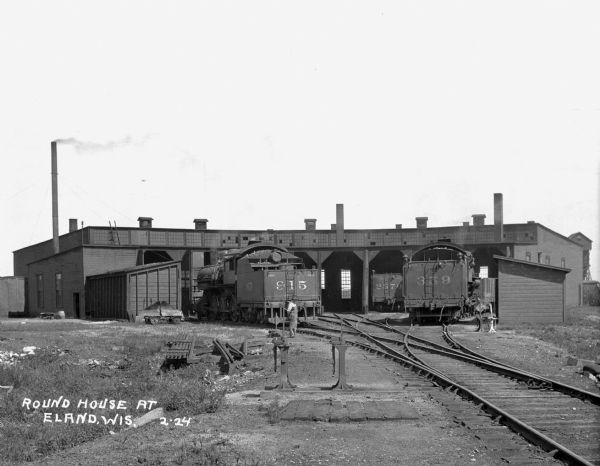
x=253 y=284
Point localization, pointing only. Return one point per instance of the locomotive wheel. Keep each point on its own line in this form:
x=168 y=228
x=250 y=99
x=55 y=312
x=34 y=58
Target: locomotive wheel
x=252 y=317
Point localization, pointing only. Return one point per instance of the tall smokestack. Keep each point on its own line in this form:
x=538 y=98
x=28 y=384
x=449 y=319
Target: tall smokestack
x=498 y=218
x=339 y=224
x=54 y=198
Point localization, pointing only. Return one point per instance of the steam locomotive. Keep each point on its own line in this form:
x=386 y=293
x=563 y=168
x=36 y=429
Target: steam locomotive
x=439 y=283
x=253 y=284
x=384 y=288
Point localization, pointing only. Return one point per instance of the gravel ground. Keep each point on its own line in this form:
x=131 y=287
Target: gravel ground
x=246 y=430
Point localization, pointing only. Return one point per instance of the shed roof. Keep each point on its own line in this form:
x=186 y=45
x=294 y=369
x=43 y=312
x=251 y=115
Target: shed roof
x=532 y=264
x=137 y=268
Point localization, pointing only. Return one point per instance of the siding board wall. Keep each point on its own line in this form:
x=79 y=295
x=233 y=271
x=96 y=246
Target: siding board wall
x=530 y=292
x=12 y=295
x=123 y=293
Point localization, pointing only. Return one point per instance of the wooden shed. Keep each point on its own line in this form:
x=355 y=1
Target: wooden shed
x=121 y=294
x=12 y=295
x=530 y=292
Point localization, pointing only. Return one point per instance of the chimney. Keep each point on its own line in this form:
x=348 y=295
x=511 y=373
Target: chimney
x=465 y=224
x=72 y=224
x=200 y=223
x=310 y=223
x=478 y=220
x=333 y=226
x=339 y=224
x=54 y=175
x=398 y=226
x=498 y=218
x=421 y=222
x=145 y=222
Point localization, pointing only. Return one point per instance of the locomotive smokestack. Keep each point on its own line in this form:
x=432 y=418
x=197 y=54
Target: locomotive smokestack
x=339 y=224
x=54 y=173
x=498 y=217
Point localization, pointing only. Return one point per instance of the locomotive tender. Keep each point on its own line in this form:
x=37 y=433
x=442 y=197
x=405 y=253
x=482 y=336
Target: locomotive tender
x=439 y=283
x=384 y=287
x=253 y=284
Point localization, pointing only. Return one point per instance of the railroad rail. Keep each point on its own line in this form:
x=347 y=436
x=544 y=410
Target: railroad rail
x=561 y=419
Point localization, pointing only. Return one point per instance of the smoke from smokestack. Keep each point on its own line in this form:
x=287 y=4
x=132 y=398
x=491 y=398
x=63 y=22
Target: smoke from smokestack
x=91 y=146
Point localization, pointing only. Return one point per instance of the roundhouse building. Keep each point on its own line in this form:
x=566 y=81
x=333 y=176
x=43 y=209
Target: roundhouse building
x=56 y=270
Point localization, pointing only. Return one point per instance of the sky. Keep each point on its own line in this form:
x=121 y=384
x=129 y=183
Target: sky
x=260 y=114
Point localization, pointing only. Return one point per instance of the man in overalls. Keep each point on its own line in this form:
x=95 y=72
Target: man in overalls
x=292 y=311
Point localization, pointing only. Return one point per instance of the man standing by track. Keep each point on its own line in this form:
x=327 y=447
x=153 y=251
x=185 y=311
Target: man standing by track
x=292 y=310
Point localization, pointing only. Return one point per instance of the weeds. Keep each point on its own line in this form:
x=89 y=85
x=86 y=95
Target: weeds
x=579 y=335
x=274 y=412
x=215 y=451
x=26 y=435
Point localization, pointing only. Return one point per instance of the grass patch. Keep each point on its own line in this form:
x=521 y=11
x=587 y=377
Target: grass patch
x=214 y=451
x=579 y=335
x=130 y=373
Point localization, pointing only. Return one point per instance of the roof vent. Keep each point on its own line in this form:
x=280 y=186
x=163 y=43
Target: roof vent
x=200 y=223
x=145 y=222
x=72 y=224
x=478 y=219
x=421 y=222
x=310 y=223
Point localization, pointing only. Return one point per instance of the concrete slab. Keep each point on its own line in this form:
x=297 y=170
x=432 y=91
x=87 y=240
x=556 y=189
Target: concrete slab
x=343 y=411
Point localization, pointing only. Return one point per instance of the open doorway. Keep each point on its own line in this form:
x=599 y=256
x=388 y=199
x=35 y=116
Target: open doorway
x=76 y=305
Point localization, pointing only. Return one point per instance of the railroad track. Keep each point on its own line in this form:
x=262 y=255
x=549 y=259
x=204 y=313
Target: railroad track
x=562 y=420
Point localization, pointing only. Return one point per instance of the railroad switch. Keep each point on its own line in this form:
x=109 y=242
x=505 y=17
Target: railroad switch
x=281 y=344
x=341 y=346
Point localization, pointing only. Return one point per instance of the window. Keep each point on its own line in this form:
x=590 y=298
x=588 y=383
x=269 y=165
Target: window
x=539 y=257
x=58 y=287
x=547 y=260
x=346 y=284
x=563 y=263
x=322 y=279
x=39 y=279
x=528 y=256
x=483 y=271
